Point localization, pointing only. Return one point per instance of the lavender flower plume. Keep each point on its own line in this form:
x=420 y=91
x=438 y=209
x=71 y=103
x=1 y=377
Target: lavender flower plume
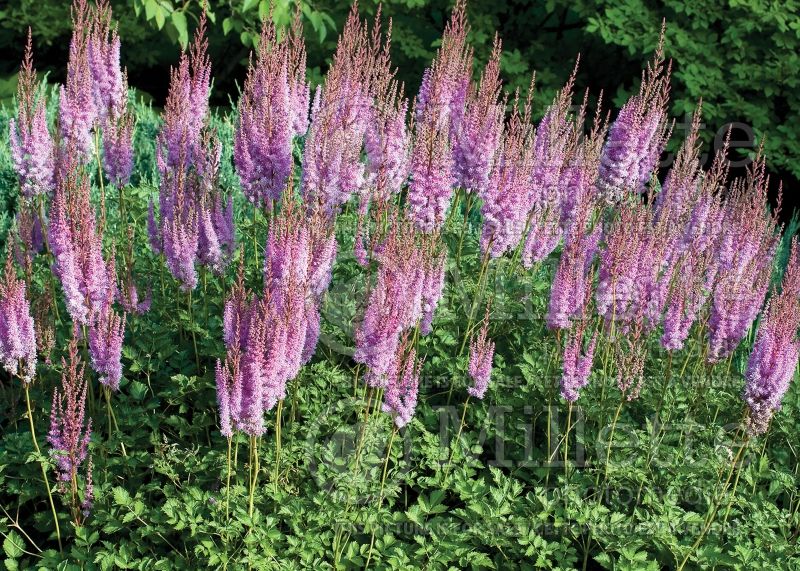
x=400 y=397
x=70 y=431
x=77 y=109
x=481 y=354
x=109 y=86
x=773 y=360
x=506 y=197
x=387 y=142
x=263 y=139
x=77 y=246
x=432 y=178
x=743 y=258
x=332 y=167
x=17 y=333
x=577 y=363
x=32 y=148
x=106 y=335
x=118 y=148
x=480 y=129
x=638 y=135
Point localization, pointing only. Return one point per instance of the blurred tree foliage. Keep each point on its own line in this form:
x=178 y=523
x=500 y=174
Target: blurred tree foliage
x=740 y=56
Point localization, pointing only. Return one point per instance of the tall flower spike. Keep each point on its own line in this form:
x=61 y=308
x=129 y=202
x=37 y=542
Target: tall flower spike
x=506 y=198
x=638 y=135
x=332 y=167
x=481 y=354
x=774 y=357
x=118 y=148
x=77 y=109
x=432 y=178
x=387 y=141
x=17 y=333
x=70 y=431
x=32 y=148
x=400 y=397
x=744 y=254
x=106 y=334
x=479 y=131
x=109 y=86
x=577 y=363
x=263 y=139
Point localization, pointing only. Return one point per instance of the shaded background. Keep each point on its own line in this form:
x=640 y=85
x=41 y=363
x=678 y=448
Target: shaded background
x=740 y=56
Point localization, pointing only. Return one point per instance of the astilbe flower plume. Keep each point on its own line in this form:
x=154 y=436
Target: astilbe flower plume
x=773 y=361
x=17 y=333
x=216 y=239
x=443 y=92
x=481 y=354
x=118 y=148
x=70 y=430
x=744 y=254
x=77 y=108
x=402 y=385
x=394 y=304
x=77 y=245
x=106 y=334
x=263 y=138
x=387 y=142
x=506 y=198
x=638 y=134
x=577 y=364
x=28 y=234
x=110 y=88
x=570 y=290
x=555 y=142
x=480 y=129
x=432 y=177
x=332 y=168
x=32 y=148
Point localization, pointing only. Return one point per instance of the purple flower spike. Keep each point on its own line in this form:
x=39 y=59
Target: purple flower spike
x=775 y=352
x=32 y=148
x=577 y=363
x=481 y=354
x=400 y=398
x=17 y=333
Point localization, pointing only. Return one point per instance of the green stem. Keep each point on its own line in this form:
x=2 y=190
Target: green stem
x=383 y=482
x=458 y=435
x=41 y=464
x=277 y=443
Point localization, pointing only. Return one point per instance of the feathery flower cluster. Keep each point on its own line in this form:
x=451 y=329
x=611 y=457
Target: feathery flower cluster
x=77 y=245
x=570 y=291
x=106 y=334
x=194 y=223
x=775 y=352
x=481 y=354
x=268 y=116
x=744 y=255
x=432 y=177
x=577 y=363
x=17 y=333
x=70 y=431
x=506 y=197
x=77 y=109
x=402 y=385
x=332 y=167
x=387 y=142
x=480 y=129
x=638 y=135
x=32 y=148
x=394 y=305
x=438 y=111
